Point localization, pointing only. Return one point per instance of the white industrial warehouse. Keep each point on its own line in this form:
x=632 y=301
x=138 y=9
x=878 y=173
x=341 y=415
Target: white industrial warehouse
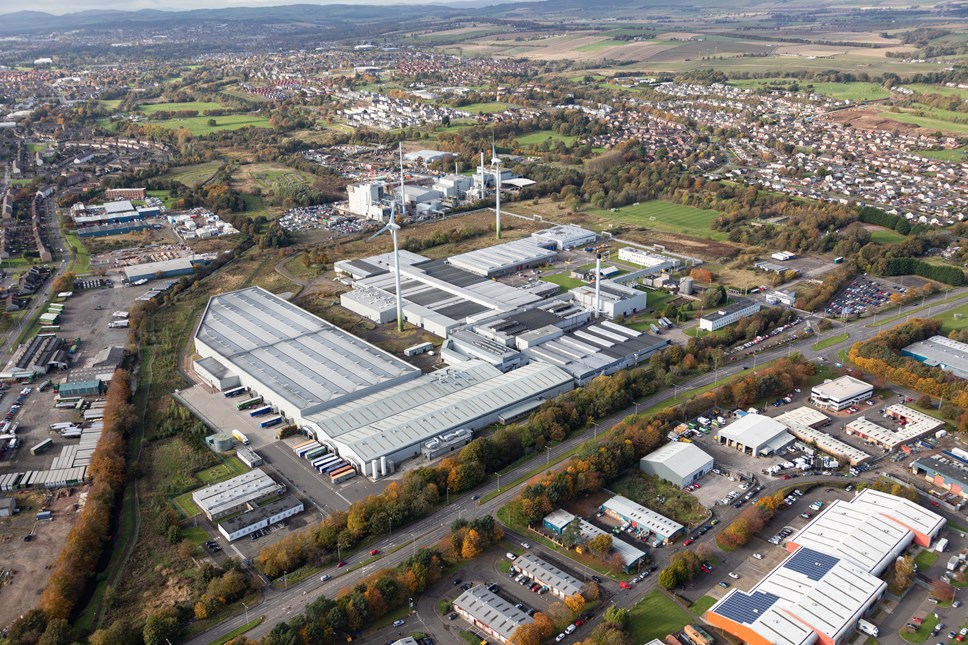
x=756 y=435
x=299 y=362
x=678 y=463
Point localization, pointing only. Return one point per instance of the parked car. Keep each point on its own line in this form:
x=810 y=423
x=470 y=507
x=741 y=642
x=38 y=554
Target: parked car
x=624 y=585
x=399 y=622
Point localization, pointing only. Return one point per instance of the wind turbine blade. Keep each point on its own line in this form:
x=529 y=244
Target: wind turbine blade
x=378 y=233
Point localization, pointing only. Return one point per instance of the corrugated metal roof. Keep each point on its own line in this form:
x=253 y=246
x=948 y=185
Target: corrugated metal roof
x=303 y=359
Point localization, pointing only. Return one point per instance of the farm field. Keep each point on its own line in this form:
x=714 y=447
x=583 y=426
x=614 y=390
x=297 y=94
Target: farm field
x=194 y=175
x=665 y=216
x=601 y=44
x=268 y=176
x=484 y=108
x=111 y=104
x=954 y=154
x=540 y=136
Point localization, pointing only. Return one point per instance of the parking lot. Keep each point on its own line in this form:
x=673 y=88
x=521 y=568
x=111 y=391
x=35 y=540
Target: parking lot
x=861 y=295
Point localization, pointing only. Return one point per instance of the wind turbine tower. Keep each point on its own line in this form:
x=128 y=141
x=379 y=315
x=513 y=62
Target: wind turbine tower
x=393 y=227
x=403 y=195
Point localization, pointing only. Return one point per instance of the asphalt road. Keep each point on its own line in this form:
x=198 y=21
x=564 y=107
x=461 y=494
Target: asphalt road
x=278 y=606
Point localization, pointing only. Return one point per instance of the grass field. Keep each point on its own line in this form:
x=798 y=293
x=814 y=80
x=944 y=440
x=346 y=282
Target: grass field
x=539 y=136
x=925 y=559
x=655 y=617
x=956 y=155
x=931 y=123
x=198 y=125
x=484 y=108
x=563 y=280
x=845 y=91
x=666 y=216
x=82 y=258
x=937 y=89
x=112 y=104
x=950 y=322
x=601 y=44
x=194 y=175
x=200 y=106
x=883 y=235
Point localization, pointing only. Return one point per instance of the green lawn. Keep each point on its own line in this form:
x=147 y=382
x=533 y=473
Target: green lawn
x=926 y=559
x=196 y=534
x=702 y=605
x=484 y=108
x=656 y=617
x=200 y=106
x=883 y=235
x=666 y=216
x=186 y=505
x=230 y=467
x=830 y=341
x=601 y=44
x=111 y=105
x=949 y=321
x=235 y=633
x=953 y=154
x=539 y=136
x=563 y=280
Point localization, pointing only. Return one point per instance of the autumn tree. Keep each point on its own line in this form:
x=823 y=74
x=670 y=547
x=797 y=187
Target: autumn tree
x=472 y=545
x=526 y=634
x=601 y=543
x=575 y=603
x=942 y=590
x=903 y=571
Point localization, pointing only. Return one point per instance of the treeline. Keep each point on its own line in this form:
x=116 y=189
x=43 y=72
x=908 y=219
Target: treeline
x=812 y=299
x=598 y=465
x=73 y=572
x=327 y=621
x=881 y=356
x=912 y=266
x=871 y=215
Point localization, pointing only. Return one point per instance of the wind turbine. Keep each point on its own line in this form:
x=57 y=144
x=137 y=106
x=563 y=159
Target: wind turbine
x=496 y=162
x=393 y=227
x=403 y=195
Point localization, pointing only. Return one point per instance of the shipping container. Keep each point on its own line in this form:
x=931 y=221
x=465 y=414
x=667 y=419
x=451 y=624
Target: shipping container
x=342 y=475
x=241 y=438
x=42 y=446
x=258 y=412
x=238 y=391
x=268 y=423
x=307 y=448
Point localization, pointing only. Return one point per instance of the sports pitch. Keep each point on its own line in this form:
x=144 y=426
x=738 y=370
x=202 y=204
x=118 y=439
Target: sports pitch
x=666 y=216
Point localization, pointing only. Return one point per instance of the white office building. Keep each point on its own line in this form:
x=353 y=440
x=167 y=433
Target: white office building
x=728 y=314
x=841 y=393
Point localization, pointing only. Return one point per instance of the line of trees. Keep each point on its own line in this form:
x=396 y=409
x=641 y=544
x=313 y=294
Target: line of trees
x=74 y=569
x=327 y=621
x=834 y=281
x=912 y=266
x=871 y=215
x=598 y=465
x=750 y=522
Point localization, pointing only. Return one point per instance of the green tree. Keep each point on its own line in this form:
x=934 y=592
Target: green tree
x=571 y=535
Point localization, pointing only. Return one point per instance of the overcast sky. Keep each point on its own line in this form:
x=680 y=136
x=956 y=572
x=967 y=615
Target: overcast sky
x=71 y=6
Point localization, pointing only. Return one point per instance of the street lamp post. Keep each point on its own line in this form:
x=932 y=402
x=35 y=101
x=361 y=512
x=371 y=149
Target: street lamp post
x=596 y=424
x=448 y=496
x=548 y=449
x=413 y=542
x=498 y=482
x=246 y=613
x=285 y=580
